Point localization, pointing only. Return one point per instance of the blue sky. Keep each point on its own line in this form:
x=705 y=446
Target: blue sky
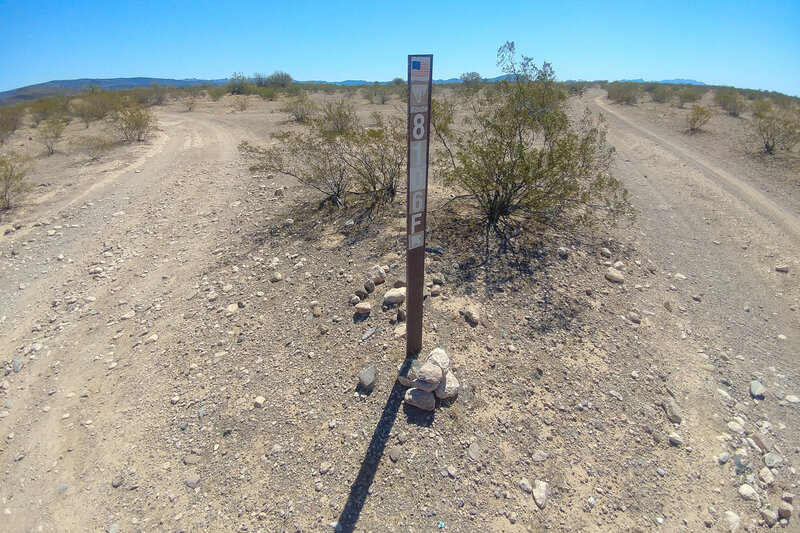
x=752 y=44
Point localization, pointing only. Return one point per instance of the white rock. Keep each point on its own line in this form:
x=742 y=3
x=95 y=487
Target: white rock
x=541 y=493
x=525 y=485
x=377 y=274
x=614 y=276
x=733 y=521
x=428 y=377
x=448 y=386
x=440 y=358
x=422 y=399
x=395 y=296
x=749 y=493
x=363 y=308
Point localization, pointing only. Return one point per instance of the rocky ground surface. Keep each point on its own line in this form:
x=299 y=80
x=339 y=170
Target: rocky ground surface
x=182 y=351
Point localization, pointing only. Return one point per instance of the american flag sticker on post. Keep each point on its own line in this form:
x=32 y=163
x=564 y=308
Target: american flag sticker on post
x=420 y=68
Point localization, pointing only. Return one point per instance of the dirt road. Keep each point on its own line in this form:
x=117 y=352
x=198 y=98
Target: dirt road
x=141 y=315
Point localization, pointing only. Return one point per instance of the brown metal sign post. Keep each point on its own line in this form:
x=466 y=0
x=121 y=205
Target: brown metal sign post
x=420 y=68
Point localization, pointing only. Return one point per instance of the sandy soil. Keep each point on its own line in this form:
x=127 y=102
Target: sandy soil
x=139 y=323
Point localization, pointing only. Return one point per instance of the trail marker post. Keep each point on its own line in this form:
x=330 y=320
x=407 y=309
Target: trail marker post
x=420 y=68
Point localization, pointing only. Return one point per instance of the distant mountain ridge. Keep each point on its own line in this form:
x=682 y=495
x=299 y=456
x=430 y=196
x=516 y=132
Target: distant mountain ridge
x=69 y=87
x=677 y=81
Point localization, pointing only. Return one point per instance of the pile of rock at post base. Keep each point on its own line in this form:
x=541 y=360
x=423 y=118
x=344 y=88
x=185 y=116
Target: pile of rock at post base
x=428 y=380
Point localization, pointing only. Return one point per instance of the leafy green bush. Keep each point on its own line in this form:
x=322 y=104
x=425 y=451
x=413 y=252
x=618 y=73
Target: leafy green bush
x=690 y=94
x=10 y=121
x=661 y=94
x=217 y=92
x=13 y=168
x=47 y=108
x=730 y=101
x=237 y=83
x=134 y=122
x=761 y=108
x=377 y=93
x=267 y=93
x=697 y=117
x=49 y=133
x=93 y=146
x=279 y=79
x=336 y=117
x=623 y=92
x=775 y=131
x=521 y=157
x=300 y=108
x=366 y=162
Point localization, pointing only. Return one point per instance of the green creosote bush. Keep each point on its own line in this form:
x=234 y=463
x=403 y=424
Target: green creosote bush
x=336 y=117
x=10 y=121
x=773 y=131
x=520 y=157
x=133 y=121
x=730 y=101
x=377 y=93
x=216 y=92
x=47 y=108
x=688 y=95
x=13 y=168
x=49 y=133
x=621 y=92
x=300 y=108
x=279 y=79
x=661 y=94
x=761 y=108
x=267 y=93
x=697 y=117
x=93 y=146
x=364 y=162
x=237 y=83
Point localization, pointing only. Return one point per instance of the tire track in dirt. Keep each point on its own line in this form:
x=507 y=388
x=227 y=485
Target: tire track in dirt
x=764 y=205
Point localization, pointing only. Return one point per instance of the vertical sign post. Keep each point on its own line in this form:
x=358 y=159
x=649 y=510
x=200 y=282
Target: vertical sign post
x=420 y=68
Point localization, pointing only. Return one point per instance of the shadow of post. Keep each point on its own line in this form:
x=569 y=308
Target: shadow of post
x=358 y=490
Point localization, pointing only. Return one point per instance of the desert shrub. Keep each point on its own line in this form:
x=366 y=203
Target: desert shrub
x=522 y=158
x=10 y=121
x=134 y=122
x=293 y=90
x=279 y=79
x=267 y=93
x=688 y=95
x=240 y=103
x=258 y=79
x=94 y=105
x=189 y=102
x=365 y=162
x=661 y=94
x=730 y=101
x=697 y=117
x=623 y=92
x=47 y=108
x=93 y=146
x=157 y=95
x=761 y=108
x=577 y=88
x=13 y=168
x=377 y=93
x=300 y=107
x=49 y=133
x=775 y=131
x=237 y=83
x=216 y=92
x=336 y=117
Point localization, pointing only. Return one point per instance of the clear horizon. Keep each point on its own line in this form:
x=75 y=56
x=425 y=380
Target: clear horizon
x=735 y=43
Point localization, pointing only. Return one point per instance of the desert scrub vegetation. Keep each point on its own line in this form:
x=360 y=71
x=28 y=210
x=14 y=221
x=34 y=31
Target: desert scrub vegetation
x=340 y=159
x=49 y=133
x=10 y=121
x=93 y=146
x=697 y=117
x=623 y=92
x=730 y=101
x=47 y=108
x=775 y=131
x=240 y=103
x=133 y=121
x=520 y=158
x=300 y=108
x=660 y=93
x=13 y=168
x=689 y=95
x=336 y=117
